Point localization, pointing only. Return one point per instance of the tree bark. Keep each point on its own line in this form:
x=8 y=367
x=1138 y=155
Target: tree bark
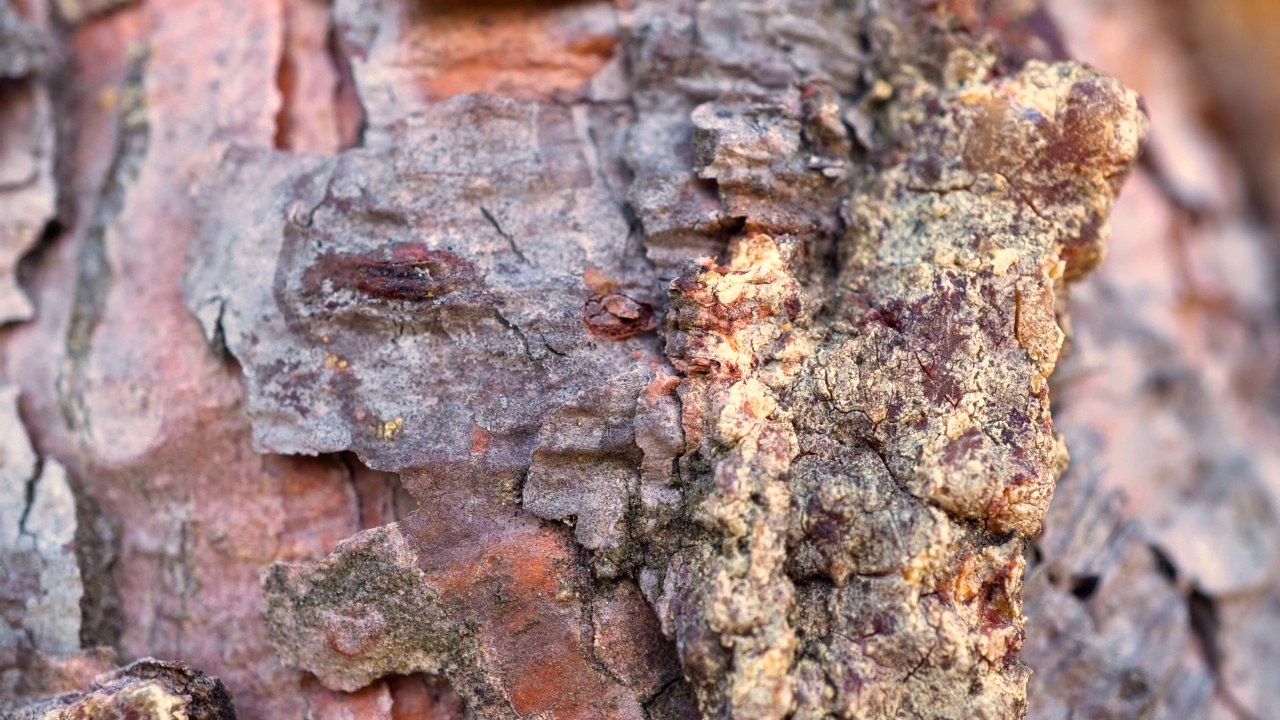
x=659 y=359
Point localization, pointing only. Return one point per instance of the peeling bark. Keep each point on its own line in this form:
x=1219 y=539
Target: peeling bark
x=654 y=360
x=28 y=195
x=871 y=362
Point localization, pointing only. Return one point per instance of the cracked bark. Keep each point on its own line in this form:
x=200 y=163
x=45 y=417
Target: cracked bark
x=937 y=323
x=578 y=360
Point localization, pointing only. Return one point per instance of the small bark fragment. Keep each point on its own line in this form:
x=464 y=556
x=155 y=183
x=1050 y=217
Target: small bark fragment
x=148 y=688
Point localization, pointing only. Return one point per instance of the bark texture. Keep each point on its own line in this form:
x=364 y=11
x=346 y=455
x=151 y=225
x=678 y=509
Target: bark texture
x=651 y=360
x=145 y=689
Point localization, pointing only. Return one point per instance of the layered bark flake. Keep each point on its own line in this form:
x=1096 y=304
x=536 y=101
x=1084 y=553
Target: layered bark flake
x=43 y=586
x=147 y=688
x=423 y=306
x=784 y=377
x=28 y=192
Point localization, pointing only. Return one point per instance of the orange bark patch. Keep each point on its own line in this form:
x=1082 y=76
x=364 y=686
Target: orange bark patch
x=516 y=576
x=533 y=51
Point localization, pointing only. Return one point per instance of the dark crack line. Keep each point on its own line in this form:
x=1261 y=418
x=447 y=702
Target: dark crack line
x=29 y=495
x=898 y=482
x=516 y=329
x=912 y=673
x=506 y=235
x=653 y=697
x=551 y=349
x=1202 y=617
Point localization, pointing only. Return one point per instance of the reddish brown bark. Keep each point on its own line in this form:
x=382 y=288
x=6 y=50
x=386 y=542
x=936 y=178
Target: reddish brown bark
x=466 y=332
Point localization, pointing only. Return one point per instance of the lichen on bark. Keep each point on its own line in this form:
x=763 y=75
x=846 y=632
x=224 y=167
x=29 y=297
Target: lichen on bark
x=792 y=390
x=893 y=450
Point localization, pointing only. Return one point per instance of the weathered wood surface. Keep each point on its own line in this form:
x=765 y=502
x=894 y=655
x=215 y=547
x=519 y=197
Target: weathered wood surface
x=444 y=290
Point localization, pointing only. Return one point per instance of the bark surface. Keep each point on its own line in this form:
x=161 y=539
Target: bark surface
x=578 y=360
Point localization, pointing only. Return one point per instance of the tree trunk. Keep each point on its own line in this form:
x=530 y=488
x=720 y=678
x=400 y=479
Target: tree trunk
x=651 y=359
